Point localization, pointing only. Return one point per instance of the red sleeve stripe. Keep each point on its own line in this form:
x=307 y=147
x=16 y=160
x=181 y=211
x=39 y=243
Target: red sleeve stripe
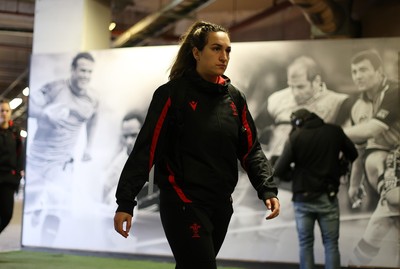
x=178 y=190
x=157 y=131
x=248 y=130
x=249 y=134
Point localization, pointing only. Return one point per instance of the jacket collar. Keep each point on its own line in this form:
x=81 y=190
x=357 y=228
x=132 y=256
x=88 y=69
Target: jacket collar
x=206 y=85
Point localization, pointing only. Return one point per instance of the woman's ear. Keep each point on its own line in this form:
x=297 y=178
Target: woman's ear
x=196 y=53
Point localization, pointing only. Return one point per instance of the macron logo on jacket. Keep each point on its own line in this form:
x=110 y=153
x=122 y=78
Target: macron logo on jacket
x=193 y=105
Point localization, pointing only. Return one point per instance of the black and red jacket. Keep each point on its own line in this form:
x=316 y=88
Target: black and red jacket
x=194 y=135
x=11 y=155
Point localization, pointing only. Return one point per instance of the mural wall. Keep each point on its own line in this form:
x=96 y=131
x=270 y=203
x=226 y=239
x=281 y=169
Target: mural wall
x=77 y=144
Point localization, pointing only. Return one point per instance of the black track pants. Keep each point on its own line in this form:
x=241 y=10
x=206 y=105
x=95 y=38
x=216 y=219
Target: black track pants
x=6 y=204
x=195 y=234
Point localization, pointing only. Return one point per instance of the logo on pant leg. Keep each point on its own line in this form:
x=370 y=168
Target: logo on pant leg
x=195 y=230
x=193 y=105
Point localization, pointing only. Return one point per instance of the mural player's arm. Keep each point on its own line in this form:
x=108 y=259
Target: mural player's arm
x=361 y=132
x=356 y=175
x=41 y=106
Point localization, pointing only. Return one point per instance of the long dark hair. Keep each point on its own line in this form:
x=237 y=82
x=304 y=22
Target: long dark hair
x=195 y=37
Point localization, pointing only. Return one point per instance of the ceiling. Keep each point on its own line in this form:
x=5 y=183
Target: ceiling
x=161 y=23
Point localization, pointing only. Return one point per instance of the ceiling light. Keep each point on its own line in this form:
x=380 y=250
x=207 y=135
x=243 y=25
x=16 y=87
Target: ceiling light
x=23 y=133
x=25 y=91
x=112 y=26
x=14 y=103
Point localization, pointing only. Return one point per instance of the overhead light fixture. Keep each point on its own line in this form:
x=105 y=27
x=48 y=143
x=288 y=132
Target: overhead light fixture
x=25 y=91
x=23 y=133
x=14 y=103
x=112 y=26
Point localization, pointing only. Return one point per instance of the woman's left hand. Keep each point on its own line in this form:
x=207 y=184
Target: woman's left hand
x=273 y=205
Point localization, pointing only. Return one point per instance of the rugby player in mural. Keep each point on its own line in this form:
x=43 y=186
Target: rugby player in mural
x=306 y=89
x=376 y=131
x=61 y=108
x=130 y=127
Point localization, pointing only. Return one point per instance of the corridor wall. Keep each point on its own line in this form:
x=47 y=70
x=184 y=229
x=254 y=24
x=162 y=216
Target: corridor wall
x=124 y=80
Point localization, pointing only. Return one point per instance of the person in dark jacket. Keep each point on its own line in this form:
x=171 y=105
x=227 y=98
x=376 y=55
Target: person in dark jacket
x=311 y=160
x=196 y=129
x=11 y=163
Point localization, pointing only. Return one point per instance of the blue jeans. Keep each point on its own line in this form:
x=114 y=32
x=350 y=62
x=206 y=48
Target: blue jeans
x=326 y=212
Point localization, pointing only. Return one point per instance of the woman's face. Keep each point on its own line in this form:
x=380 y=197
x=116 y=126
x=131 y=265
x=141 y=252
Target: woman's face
x=213 y=60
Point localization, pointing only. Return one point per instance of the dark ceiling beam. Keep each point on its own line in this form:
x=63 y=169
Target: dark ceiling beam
x=259 y=16
x=158 y=22
x=27 y=47
x=21 y=77
x=17 y=31
x=8 y=76
x=17 y=13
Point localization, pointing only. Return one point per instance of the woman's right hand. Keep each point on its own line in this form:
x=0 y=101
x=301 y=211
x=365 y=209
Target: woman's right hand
x=122 y=223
